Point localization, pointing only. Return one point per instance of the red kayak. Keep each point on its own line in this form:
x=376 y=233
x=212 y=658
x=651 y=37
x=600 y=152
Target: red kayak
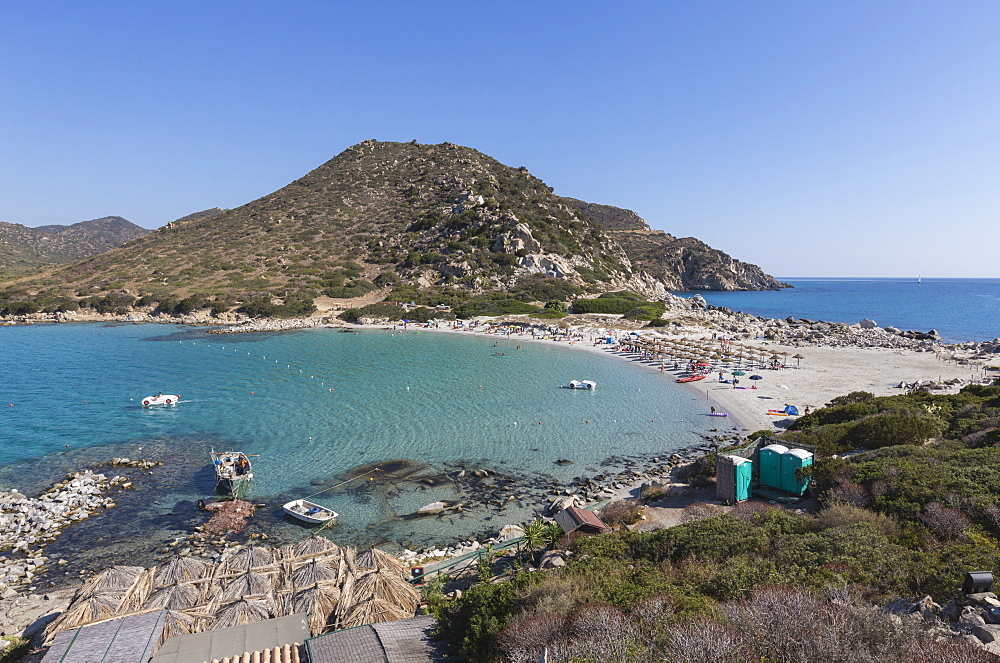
x=690 y=378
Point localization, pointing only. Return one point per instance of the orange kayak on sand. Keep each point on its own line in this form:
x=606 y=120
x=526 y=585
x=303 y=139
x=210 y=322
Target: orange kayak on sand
x=690 y=378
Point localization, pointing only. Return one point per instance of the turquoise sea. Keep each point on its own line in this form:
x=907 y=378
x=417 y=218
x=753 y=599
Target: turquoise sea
x=317 y=405
x=959 y=309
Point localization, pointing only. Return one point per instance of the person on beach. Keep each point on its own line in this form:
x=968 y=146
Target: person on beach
x=713 y=409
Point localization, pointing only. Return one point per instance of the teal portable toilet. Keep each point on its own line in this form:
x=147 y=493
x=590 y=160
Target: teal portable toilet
x=770 y=465
x=792 y=461
x=743 y=470
x=733 y=475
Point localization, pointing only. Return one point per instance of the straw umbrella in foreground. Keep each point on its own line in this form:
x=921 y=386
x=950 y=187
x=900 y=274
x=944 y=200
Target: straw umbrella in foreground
x=313 y=545
x=239 y=613
x=116 y=578
x=179 y=596
x=375 y=611
x=381 y=561
x=312 y=572
x=84 y=611
x=181 y=569
x=251 y=557
x=249 y=583
x=387 y=586
x=177 y=623
x=320 y=601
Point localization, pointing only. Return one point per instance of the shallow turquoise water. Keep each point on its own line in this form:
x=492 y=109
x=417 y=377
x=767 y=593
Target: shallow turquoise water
x=443 y=400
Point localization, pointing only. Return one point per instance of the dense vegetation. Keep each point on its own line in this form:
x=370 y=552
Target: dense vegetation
x=627 y=304
x=903 y=519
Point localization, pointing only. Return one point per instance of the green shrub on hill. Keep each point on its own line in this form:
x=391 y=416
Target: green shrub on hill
x=486 y=305
x=651 y=311
x=19 y=308
x=620 y=303
x=391 y=312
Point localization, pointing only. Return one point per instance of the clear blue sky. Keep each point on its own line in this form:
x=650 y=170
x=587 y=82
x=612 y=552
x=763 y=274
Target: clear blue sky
x=812 y=138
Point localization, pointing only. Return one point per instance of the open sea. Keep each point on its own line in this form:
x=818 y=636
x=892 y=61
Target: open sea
x=959 y=309
x=316 y=406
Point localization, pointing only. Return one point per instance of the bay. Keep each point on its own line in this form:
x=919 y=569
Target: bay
x=316 y=405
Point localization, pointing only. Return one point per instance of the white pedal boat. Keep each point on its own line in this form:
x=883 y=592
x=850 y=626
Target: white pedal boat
x=581 y=384
x=162 y=399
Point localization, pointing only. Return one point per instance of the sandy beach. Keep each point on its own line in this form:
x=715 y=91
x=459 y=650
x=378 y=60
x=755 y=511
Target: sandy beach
x=825 y=373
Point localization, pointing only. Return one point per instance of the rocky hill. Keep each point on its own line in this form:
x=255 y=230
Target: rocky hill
x=24 y=249
x=682 y=263
x=401 y=215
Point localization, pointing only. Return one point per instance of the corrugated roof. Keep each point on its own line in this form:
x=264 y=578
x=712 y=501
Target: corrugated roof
x=401 y=641
x=123 y=640
x=227 y=642
x=573 y=518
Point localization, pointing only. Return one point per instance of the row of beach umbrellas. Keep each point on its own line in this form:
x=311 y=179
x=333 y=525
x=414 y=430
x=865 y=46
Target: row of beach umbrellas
x=705 y=350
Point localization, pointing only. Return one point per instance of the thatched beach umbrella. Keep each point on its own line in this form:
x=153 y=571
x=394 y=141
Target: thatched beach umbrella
x=85 y=610
x=798 y=359
x=381 y=561
x=177 y=623
x=375 y=611
x=116 y=578
x=312 y=572
x=251 y=557
x=386 y=586
x=314 y=545
x=179 y=596
x=320 y=601
x=249 y=583
x=181 y=569
x=242 y=612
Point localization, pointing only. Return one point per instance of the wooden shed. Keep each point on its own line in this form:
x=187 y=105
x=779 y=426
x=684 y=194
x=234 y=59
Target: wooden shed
x=574 y=518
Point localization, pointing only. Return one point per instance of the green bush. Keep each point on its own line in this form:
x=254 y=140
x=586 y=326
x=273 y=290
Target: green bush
x=19 y=308
x=296 y=305
x=381 y=310
x=471 y=625
x=189 y=305
x=885 y=430
x=650 y=311
x=255 y=307
x=116 y=303
x=603 y=305
x=484 y=305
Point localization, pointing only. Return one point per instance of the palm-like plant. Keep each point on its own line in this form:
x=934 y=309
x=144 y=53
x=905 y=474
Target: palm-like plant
x=535 y=537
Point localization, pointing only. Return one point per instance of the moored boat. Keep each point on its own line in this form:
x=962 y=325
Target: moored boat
x=233 y=472
x=309 y=512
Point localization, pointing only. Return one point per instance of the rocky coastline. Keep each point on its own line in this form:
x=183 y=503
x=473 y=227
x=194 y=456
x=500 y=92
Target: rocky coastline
x=29 y=524
x=683 y=314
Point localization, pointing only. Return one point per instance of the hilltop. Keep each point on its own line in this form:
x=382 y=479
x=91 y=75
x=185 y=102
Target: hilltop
x=402 y=218
x=23 y=249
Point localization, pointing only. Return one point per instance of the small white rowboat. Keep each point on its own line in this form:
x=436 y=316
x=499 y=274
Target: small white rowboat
x=309 y=512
